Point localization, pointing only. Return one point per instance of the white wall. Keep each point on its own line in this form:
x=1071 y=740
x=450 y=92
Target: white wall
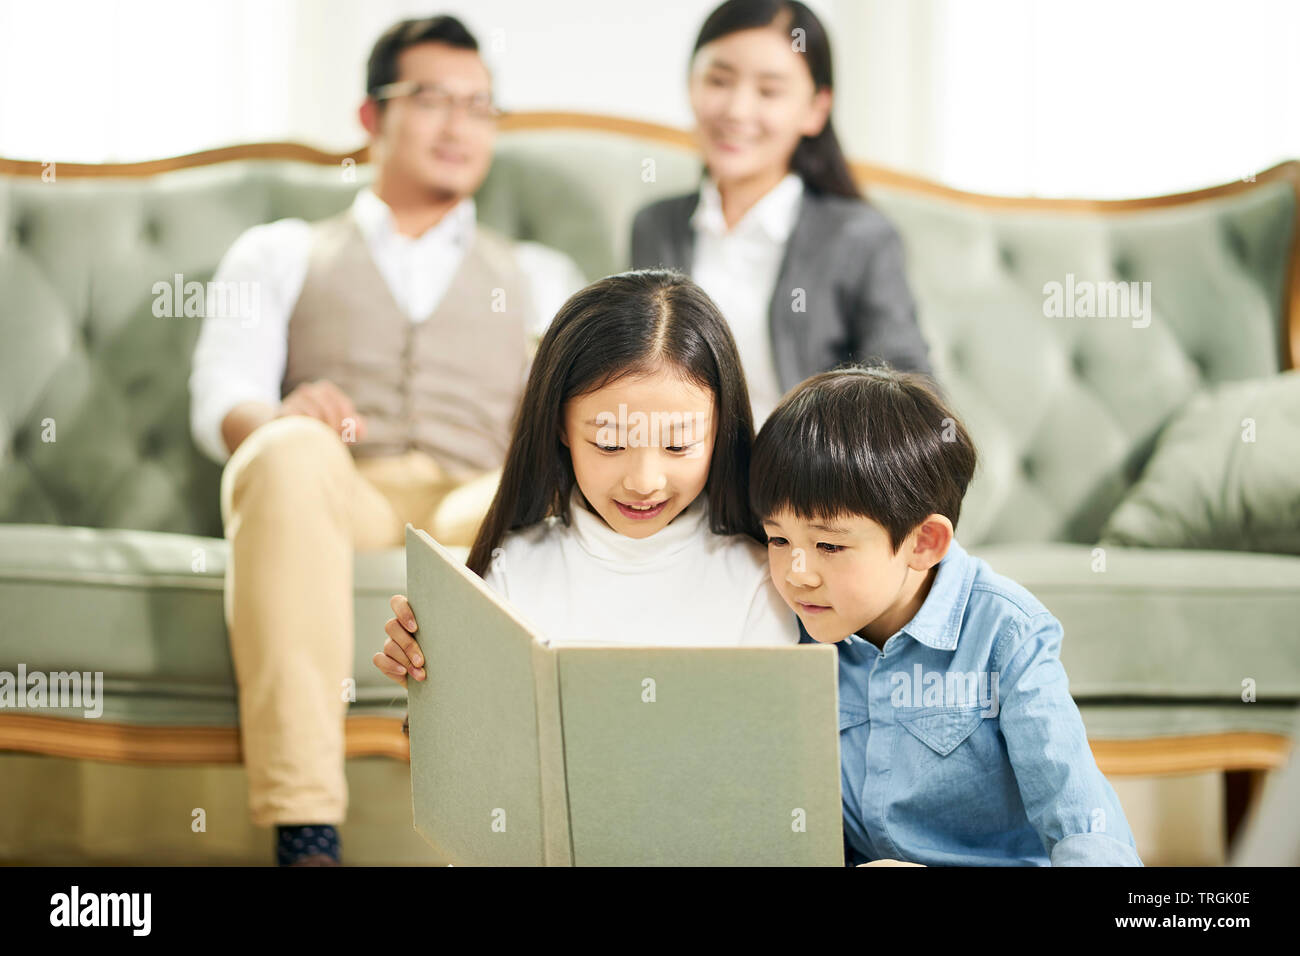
x=1127 y=97
x=1075 y=97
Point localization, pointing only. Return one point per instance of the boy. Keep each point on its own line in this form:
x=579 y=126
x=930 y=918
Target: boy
x=960 y=743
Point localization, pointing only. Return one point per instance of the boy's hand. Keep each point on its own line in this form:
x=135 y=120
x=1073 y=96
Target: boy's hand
x=889 y=863
x=401 y=654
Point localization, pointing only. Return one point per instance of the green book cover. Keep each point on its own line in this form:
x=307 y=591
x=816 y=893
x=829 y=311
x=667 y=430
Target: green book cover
x=525 y=751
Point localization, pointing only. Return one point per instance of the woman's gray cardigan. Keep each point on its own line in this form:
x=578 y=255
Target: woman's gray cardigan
x=841 y=294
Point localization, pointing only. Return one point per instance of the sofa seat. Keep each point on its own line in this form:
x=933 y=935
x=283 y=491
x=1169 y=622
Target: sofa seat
x=145 y=608
x=1195 y=623
x=1157 y=647
x=1207 y=621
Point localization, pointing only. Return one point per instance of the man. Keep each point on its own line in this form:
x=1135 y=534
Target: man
x=375 y=386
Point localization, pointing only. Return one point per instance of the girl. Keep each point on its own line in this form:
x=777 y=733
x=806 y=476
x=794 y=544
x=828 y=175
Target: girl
x=622 y=513
x=808 y=275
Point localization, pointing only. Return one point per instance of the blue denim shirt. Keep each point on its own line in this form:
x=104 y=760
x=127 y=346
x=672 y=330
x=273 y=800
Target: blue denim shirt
x=959 y=742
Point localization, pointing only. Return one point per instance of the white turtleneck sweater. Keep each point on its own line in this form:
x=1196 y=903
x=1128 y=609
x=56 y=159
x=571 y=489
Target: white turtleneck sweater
x=683 y=585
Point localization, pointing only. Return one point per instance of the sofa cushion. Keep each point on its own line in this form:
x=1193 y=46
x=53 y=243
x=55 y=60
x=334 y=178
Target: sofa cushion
x=145 y=608
x=1145 y=721
x=1179 y=626
x=1225 y=474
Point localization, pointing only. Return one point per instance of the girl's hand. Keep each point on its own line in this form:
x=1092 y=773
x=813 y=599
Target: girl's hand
x=401 y=654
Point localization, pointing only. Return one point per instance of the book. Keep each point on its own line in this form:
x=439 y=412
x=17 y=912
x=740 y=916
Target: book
x=526 y=751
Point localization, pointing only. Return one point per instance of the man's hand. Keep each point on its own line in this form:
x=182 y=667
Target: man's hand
x=322 y=400
x=325 y=401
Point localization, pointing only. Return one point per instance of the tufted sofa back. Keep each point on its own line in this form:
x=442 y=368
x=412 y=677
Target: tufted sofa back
x=1064 y=406
x=93 y=385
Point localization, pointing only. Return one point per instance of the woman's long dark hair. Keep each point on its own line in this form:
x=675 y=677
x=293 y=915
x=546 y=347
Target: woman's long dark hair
x=819 y=160
x=626 y=324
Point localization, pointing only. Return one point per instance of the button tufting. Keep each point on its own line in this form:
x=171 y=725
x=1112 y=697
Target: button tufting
x=1236 y=242
x=1123 y=267
x=1007 y=257
x=957 y=358
x=151 y=444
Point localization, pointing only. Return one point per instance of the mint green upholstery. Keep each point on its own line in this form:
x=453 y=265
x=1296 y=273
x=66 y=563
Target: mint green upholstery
x=111 y=556
x=1223 y=475
x=1149 y=625
x=1064 y=411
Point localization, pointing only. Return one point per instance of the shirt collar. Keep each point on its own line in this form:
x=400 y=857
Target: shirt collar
x=375 y=219
x=772 y=216
x=938 y=623
x=601 y=541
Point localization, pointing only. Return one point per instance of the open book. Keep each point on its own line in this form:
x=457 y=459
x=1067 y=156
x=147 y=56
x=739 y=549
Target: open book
x=527 y=751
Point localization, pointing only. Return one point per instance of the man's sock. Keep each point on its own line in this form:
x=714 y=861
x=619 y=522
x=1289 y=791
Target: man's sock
x=296 y=842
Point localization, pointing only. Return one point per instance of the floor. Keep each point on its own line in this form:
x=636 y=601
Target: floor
x=54 y=810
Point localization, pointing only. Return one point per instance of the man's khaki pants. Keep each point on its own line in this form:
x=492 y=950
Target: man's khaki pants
x=295 y=505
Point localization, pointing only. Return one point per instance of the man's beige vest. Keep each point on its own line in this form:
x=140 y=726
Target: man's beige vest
x=447 y=385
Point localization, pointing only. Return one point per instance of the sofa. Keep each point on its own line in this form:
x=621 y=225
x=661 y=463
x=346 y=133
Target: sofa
x=111 y=550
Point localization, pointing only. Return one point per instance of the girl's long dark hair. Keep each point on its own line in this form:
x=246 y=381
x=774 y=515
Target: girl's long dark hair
x=626 y=324
x=819 y=160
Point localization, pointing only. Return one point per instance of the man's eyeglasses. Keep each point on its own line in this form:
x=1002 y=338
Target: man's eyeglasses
x=435 y=99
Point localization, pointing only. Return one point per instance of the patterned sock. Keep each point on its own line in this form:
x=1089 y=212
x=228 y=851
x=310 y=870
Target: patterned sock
x=296 y=842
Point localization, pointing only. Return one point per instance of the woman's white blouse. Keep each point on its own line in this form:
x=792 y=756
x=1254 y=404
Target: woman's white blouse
x=739 y=267
x=683 y=585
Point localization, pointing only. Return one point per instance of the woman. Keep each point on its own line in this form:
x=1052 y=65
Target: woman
x=807 y=273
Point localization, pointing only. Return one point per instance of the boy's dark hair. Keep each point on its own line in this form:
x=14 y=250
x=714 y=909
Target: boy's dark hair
x=626 y=324
x=867 y=441
x=382 y=66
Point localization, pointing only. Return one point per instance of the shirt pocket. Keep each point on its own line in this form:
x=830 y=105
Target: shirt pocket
x=946 y=784
x=944 y=729
x=852 y=717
